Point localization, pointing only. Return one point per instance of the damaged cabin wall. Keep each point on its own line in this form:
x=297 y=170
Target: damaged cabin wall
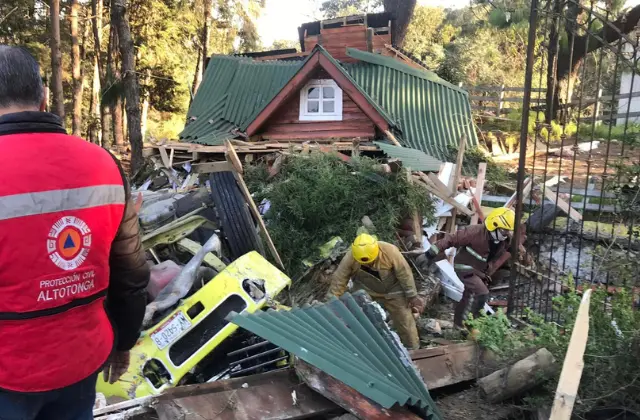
x=285 y=124
x=337 y=40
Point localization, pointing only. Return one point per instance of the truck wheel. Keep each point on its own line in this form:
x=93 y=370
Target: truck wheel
x=235 y=220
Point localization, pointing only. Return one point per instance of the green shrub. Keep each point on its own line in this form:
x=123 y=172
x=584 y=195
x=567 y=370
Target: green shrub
x=610 y=377
x=315 y=198
x=629 y=135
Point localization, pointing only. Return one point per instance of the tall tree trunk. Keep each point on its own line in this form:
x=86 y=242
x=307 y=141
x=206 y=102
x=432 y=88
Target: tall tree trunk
x=76 y=121
x=145 y=105
x=402 y=11
x=130 y=80
x=56 y=60
x=197 y=76
x=105 y=109
x=206 y=36
x=95 y=130
x=569 y=62
x=113 y=69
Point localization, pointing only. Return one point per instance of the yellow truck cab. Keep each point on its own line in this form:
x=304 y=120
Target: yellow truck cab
x=194 y=343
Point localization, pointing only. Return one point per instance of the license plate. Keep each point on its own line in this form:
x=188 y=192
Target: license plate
x=171 y=330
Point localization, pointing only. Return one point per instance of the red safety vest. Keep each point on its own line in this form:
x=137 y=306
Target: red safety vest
x=61 y=203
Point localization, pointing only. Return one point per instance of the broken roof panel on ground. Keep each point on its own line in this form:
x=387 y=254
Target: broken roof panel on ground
x=340 y=338
x=414 y=159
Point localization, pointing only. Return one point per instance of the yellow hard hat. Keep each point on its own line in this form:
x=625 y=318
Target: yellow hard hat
x=502 y=218
x=365 y=249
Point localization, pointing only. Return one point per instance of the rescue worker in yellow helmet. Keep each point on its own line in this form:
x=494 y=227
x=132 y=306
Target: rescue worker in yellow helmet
x=481 y=250
x=380 y=269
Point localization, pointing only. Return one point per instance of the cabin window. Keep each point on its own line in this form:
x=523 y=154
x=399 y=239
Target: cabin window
x=321 y=100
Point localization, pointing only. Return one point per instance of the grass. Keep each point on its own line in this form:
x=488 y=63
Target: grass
x=629 y=134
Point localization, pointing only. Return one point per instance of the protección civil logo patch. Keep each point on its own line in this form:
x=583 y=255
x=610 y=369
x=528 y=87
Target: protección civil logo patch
x=69 y=242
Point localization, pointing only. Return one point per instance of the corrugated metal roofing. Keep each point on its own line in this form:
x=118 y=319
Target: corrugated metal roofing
x=234 y=90
x=417 y=160
x=427 y=112
x=341 y=339
x=431 y=112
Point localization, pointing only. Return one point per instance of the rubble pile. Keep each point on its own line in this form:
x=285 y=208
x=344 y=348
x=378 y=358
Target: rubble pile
x=214 y=252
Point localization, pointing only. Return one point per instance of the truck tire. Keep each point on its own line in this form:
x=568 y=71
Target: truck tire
x=236 y=223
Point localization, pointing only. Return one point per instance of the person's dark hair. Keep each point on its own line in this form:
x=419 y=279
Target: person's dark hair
x=20 y=81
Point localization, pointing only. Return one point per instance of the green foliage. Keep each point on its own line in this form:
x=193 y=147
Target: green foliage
x=337 y=8
x=315 y=198
x=427 y=35
x=496 y=174
x=548 y=132
x=284 y=44
x=487 y=56
x=496 y=334
x=164 y=125
x=613 y=345
x=630 y=135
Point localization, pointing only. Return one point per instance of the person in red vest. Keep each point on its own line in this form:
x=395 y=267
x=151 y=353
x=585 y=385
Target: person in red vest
x=72 y=268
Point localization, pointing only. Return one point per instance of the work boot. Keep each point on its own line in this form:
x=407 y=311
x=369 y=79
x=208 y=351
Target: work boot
x=478 y=305
x=458 y=313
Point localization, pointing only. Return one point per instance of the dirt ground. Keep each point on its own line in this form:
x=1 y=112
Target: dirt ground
x=587 y=163
x=470 y=405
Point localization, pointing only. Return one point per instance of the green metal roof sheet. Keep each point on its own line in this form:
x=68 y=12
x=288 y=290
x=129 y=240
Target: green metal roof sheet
x=430 y=112
x=340 y=338
x=427 y=113
x=233 y=90
x=417 y=160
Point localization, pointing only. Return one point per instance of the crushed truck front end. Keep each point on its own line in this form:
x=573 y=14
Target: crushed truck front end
x=191 y=343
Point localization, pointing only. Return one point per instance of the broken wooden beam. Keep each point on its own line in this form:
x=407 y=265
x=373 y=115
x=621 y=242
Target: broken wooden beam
x=553 y=197
x=447 y=365
x=518 y=378
x=347 y=397
x=482 y=172
x=569 y=382
x=526 y=189
x=277 y=395
x=451 y=226
x=253 y=208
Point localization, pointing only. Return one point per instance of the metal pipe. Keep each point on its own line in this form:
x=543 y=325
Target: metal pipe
x=524 y=131
x=252 y=368
x=256 y=356
x=251 y=347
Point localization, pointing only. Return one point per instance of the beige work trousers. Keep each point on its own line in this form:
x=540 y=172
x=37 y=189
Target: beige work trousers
x=403 y=321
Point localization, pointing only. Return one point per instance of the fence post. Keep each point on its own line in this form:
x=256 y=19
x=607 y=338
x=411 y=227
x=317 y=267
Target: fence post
x=500 y=100
x=598 y=111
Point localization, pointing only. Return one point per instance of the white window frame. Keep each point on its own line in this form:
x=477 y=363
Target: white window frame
x=336 y=115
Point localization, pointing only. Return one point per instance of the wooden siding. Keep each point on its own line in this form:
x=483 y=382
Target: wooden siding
x=285 y=124
x=336 y=41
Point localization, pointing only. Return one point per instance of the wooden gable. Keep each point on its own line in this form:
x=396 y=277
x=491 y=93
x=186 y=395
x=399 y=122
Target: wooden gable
x=285 y=123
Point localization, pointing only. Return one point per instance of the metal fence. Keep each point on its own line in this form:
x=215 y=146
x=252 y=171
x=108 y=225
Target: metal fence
x=580 y=204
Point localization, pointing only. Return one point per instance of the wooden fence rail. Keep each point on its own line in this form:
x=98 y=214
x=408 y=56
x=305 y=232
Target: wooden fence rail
x=500 y=100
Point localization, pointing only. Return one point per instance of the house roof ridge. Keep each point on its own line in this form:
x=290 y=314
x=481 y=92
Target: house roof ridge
x=390 y=62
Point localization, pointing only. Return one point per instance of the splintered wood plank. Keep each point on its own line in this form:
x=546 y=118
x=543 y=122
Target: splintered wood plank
x=553 y=197
x=573 y=364
x=233 y=158
x=164 y=157
x=482 y=172
x=439 y=184
x=526 y=189
x=462 y=145
x=347 y=397
x=279 y=396
x=256 y=212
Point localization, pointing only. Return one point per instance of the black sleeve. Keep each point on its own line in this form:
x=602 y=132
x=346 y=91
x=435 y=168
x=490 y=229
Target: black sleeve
x=127 y=295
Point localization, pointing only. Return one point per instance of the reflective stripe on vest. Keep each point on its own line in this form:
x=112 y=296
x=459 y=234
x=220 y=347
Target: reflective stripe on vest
x=60 y=211
x=30 y=204
x=475 y=254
